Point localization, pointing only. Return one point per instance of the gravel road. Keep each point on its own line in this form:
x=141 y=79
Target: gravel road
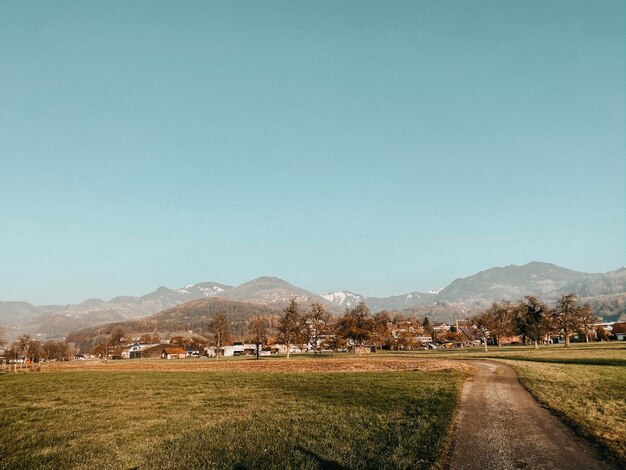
x=501 y=426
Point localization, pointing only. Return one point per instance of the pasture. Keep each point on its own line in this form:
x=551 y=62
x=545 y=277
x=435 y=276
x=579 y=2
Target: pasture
x=384 y=410
x=353 y=413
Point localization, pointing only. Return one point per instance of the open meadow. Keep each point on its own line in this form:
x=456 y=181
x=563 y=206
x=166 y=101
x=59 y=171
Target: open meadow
x=385 y=410
x=327 y=413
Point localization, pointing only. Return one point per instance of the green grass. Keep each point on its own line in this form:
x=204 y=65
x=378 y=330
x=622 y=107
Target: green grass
x=226 y=420
x=585 y=385
x=590 y=398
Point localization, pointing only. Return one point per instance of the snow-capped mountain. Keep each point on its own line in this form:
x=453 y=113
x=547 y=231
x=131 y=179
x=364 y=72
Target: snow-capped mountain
x=343 y=298
x=204 y=289
x=546 y=281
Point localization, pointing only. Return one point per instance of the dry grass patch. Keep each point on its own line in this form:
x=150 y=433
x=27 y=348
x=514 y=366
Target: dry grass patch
x=296 y=364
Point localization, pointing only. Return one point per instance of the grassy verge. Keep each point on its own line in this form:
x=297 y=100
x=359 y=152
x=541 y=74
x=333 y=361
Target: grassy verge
x=216 y=419
x=590 y=398
x=585 y=385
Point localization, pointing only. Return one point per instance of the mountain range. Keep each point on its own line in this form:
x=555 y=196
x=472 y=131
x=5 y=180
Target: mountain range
x=463 y=295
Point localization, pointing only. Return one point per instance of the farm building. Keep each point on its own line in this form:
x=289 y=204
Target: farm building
x=619 y=330
x=173 y=353
x=138 y=350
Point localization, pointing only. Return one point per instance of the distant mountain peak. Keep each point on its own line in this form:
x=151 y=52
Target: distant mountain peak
x=203 y=289
x=344 y=298
x=544 y=280
x=265 y=280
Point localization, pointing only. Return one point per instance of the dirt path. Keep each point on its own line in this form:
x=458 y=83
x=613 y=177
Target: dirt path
x=501 y=426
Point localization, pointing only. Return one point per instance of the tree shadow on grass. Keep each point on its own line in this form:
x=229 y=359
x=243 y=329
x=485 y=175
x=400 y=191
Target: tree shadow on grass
x=323 y=463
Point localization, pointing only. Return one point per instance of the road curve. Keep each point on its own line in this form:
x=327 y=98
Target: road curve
x=501 y=426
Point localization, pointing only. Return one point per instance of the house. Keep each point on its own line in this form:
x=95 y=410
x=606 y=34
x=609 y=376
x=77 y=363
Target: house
x=608 y=326
x=192 y=352
x=506 y=340
x=246 y=349
x=210 y=351
x=282 y=349
x=117 y=353
x=619 y=331
x=138 y=350
x=441 y=326
x=173 y=353
x=424 y=338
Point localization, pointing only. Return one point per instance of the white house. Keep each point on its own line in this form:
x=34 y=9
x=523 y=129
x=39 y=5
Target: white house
x=282 y=349
x=135 y=350
x=424 y=338
x=247 y=349
x=441 y=326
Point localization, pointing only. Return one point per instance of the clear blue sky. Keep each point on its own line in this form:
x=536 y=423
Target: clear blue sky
x=380 y=147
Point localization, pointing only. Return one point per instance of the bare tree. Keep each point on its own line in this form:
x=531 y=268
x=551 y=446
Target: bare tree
x=530 y=318
x=258 y=327
x=334 y=340
x=502 y=316
x=69 y=349
x=356 y=325
x=53 y=350
x=405 y=340
x=220 y=328
x=289 y=324
x=382 y=328
x=601 y=334
x=586 y=320
x=482 y=324
x=566 y=315
x=117 y=336
x=316 y=324
x=28 y=348
x=150 y=338
x=101 y=350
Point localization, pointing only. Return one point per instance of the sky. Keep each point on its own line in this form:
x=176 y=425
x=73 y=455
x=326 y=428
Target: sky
x=378 y=147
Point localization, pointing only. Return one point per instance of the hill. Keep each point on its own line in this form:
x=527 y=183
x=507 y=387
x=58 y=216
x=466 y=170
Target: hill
x=192 y=317
x=543 y=280
x=273 y=291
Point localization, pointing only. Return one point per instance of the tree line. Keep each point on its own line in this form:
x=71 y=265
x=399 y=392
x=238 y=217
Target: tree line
x=535 y=321
x=33 y=351
x=314 y=328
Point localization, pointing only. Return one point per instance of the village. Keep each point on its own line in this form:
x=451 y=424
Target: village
x=460 y=335
x=310 y=335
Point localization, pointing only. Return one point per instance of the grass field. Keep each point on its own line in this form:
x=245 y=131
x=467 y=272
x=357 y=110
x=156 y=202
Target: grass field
x=357 y=416
x=585 y=385
x=389 y=410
